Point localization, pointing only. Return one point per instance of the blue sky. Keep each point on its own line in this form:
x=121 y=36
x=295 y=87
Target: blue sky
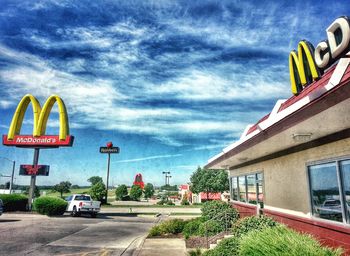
x=169 y=82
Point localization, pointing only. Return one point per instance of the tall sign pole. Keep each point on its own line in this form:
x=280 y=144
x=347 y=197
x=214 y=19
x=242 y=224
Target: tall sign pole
x=109 y=150
x=33 y=179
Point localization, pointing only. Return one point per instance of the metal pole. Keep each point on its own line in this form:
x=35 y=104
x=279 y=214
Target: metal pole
x=33 y=179
x=109 y=160
x=13 y=173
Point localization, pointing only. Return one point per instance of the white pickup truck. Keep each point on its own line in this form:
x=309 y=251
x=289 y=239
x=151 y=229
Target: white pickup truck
x=78 y=204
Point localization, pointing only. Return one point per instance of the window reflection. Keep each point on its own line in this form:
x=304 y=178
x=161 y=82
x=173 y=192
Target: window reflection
x=251 y=186
x=242 y=188
x=325 y=192
x=345 y=169
x=234 y=188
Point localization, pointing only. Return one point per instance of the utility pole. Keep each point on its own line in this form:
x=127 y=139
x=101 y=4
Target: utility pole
x=13 y=172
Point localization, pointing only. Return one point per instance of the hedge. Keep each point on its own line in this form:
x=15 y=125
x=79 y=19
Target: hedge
x=14 y=202
x=50 y=206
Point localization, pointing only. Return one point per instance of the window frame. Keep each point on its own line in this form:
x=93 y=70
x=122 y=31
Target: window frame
x=340 y=180
x=257 y=190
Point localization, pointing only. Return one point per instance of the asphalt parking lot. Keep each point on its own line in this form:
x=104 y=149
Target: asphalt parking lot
x=109 y=234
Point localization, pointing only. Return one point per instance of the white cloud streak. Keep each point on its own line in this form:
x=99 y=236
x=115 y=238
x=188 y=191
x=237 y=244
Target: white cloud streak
x=147 y=158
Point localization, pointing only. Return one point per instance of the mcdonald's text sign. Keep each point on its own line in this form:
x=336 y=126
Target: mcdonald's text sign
x=308 y=63
x=40 y=117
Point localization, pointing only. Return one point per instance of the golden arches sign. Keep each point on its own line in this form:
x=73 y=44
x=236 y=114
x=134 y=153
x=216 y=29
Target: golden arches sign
x=40 y=116
x=302 y=67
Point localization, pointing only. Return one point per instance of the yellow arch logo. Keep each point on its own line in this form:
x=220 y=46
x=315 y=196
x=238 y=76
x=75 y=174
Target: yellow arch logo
x=41 y=116
x=302 y=67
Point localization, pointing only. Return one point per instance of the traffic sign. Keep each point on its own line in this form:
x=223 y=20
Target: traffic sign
x=109 y=150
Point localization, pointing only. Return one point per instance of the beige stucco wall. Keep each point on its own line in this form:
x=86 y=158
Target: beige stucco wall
x=285 y=178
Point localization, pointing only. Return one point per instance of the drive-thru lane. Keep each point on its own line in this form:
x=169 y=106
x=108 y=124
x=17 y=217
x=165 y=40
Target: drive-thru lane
x=27 y=234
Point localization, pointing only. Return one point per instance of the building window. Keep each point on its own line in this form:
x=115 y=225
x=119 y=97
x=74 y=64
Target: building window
x=234 y=190
x=242 y=188
x=248 y=188
x=251 y=189
x=330 y=190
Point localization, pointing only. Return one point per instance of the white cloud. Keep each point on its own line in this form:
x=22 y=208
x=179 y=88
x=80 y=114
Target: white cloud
x=147 y=158
x=199 y=85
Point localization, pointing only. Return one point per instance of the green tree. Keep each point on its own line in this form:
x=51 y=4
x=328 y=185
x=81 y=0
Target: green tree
x=94 y=180
x=121 y=192
x=62 y=187
x=149 y=191
x=209 y=181
x=135 y=193
x=98 y=191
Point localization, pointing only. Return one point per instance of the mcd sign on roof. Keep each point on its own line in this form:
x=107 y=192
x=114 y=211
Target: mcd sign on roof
x=308 y=63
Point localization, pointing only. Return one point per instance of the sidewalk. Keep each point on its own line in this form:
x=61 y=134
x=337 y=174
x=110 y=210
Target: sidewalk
x=163 y=246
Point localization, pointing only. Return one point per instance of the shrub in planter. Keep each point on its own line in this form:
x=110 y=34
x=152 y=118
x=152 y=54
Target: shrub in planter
x=14 y=202
x=245 y=225
x=155 y=231
x=227 y=247
x=172 y=226
x=192 y=227
x=50 y=206
x=210 y=228
x=282 y=241
x=221 y=212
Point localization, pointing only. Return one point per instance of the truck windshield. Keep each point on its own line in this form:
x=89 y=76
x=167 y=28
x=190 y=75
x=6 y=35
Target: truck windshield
x=82 y=198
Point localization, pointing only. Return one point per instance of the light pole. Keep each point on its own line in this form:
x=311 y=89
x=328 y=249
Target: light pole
x=166 y=177
x=13 y=171
x=169 y=176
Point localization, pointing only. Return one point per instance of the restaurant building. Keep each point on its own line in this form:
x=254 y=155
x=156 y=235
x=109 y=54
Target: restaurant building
x=294 y=163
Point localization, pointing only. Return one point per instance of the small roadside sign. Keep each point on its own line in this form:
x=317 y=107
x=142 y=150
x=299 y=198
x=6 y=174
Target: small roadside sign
x=109 y=150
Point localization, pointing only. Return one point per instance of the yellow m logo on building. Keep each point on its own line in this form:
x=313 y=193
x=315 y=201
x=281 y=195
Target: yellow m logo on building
x=41 y=116
x=302 y=68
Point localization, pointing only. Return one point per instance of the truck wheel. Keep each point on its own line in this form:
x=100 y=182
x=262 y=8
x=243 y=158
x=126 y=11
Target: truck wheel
x=75 y=212
x=93 y=214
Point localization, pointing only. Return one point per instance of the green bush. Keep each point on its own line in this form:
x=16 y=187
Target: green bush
x=172 y=226
x=50 y=206
x=192 y=227
x=196 y=252
x=282 y=241
x=210 y=228
x=14 y=202
x=121 y=192
x=185 y=201
x=98 y=191
x=164 y=201
x=155 y=231
x=227 y=247
x=221 y=212
x=245 y=225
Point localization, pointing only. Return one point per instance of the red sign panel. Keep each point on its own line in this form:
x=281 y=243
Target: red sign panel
x=28 y=169
x=45 y=141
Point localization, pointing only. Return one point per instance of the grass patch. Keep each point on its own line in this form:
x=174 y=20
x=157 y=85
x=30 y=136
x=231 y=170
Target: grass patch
x=283 y=241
